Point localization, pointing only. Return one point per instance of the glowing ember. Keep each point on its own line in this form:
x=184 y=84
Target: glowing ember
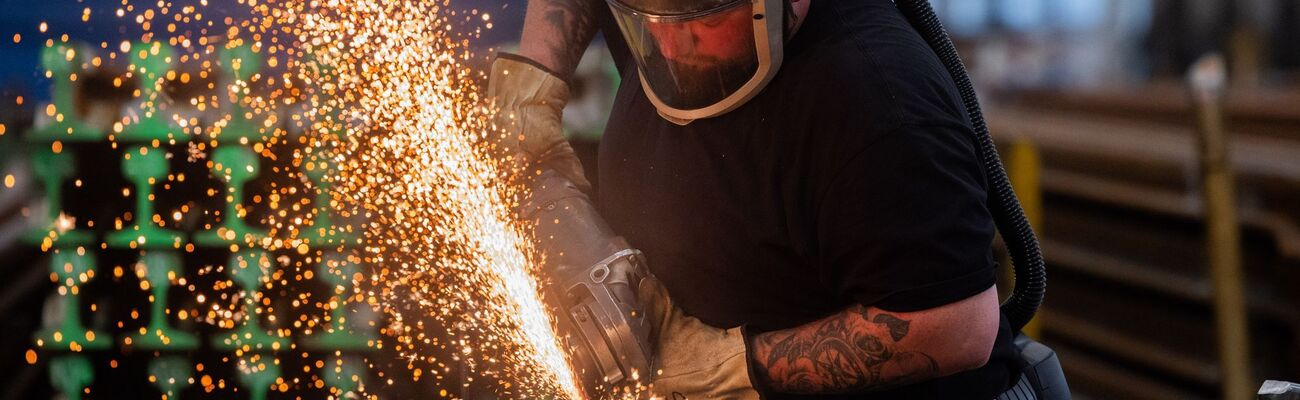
x=64 y=223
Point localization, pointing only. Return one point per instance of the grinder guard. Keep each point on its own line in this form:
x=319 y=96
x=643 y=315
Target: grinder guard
x=595 y=275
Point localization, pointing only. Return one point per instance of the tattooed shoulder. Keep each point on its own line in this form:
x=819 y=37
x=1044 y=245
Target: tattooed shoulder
x=570 y=19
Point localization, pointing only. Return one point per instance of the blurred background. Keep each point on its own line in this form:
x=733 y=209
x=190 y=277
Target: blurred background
x=1110 y=149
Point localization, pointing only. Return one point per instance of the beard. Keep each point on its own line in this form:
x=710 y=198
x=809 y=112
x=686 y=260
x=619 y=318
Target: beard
x=696 y=82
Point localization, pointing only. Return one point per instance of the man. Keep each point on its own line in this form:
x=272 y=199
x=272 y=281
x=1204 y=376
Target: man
x=801 y=178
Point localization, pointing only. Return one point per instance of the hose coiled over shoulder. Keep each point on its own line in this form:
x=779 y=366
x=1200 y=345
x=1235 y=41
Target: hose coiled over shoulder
x=1022 y=245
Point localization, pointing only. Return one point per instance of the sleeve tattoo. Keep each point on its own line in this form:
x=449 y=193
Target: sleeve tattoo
x=848 y=352
x=558 y=31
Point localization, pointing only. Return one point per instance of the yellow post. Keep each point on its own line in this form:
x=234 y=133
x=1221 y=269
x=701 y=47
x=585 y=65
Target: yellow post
x=1208 y=78
x=1026 y=179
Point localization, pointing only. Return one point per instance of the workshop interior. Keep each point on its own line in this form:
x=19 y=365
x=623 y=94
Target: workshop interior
x=199 y=200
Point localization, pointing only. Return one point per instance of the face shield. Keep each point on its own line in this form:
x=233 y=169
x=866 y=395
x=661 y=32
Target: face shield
x=700 y=59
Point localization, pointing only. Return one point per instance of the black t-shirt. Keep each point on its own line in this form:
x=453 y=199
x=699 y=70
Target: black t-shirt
x=853 y=178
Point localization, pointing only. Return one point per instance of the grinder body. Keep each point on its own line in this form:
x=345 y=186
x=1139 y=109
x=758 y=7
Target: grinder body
x=595 y=274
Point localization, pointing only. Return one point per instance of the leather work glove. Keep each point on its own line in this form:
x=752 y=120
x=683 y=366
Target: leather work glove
x=695 y=360
x=530 y=102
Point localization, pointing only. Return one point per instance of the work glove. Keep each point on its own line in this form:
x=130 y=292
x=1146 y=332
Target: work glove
x=694 y=360
x=530 y=102
x=594 y=276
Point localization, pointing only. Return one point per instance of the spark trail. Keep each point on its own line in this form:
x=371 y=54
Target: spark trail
x=388 y=99
x=438 y=208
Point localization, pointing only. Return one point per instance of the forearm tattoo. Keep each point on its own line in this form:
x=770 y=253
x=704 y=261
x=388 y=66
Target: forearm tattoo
x=563 y=28
x=848 y=352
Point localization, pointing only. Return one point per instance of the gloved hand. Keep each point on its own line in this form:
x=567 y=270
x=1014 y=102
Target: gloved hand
x=694 y=360
x=595 y=276
x=531 y=101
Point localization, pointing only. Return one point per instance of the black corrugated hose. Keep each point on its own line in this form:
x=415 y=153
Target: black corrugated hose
x=1026 y=258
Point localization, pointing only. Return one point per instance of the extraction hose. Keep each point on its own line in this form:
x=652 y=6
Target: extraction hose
x=1026 y=258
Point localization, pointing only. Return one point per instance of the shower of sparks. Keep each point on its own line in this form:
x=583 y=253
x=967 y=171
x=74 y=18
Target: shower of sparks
x=438 y=209
x=380 y=94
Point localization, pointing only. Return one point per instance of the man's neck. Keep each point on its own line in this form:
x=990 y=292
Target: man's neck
x=799 y=10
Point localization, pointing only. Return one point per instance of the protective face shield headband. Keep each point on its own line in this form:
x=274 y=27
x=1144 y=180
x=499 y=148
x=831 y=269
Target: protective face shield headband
x=700 y=59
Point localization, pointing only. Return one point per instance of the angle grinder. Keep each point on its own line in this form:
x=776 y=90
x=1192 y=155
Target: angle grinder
x=595 y=274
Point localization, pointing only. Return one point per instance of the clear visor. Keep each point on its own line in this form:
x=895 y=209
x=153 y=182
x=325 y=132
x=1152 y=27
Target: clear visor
x=695 y=60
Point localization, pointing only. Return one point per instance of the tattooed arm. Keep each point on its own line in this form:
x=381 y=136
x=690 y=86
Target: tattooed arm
x=866 y=348
x=556 y=32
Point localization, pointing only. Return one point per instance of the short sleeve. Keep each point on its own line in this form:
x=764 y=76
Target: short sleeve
x=904 y=225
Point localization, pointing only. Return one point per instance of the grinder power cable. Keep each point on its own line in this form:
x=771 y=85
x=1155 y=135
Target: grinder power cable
x=1042 y=377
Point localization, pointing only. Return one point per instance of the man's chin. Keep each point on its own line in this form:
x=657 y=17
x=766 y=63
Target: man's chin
x=692 y=64
x=700 y=63
x=701 y=83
